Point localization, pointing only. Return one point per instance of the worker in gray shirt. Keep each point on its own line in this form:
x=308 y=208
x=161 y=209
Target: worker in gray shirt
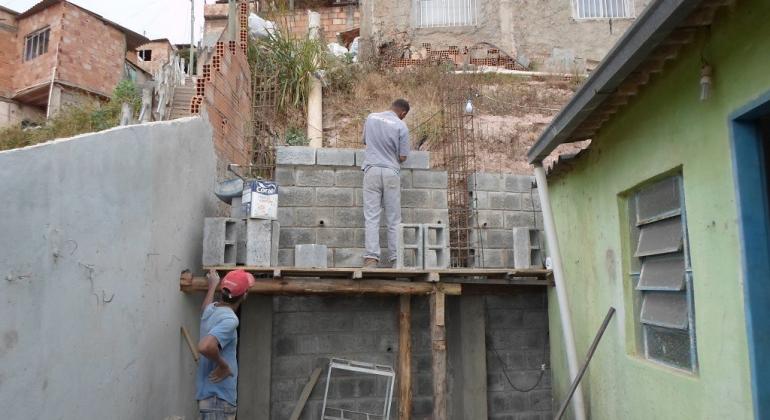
x=387 y=145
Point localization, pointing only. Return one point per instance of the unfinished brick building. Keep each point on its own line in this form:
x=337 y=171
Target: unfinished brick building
x=49 y=59
x=153 y=55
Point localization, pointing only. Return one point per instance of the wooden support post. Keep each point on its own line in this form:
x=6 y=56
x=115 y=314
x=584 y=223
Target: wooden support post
x=405 y=358
x=438 y=343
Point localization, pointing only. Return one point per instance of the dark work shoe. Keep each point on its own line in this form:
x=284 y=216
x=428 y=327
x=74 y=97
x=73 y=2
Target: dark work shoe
x=370 y=263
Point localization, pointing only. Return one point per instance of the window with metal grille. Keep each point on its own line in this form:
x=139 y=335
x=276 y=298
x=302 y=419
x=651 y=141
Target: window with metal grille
x=36 y=43
x=661 y=274
x=444 y=13
x=602 y=9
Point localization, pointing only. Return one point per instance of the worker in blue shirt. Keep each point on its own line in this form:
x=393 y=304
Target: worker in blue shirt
x=217 y=377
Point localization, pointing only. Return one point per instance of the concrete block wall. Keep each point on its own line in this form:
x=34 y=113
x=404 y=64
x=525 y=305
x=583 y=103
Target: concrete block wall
x=517 y=330
x=502 y=202
x=320 y=200
x=307 y=331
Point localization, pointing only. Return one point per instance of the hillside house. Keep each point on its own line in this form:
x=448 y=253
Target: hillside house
x=50 y=58
x=553 y=35
x=665 y=216
x=153 y=55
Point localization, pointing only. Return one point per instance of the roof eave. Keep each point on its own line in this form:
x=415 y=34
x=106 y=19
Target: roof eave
x=657 y=21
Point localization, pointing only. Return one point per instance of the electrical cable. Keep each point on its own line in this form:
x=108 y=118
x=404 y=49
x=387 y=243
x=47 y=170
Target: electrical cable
x=505 y=367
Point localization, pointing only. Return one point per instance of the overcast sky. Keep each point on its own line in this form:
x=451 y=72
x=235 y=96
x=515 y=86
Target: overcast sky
x=153 y=18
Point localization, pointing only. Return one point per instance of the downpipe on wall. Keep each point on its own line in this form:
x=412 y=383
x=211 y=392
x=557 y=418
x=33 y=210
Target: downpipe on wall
x=552 y=242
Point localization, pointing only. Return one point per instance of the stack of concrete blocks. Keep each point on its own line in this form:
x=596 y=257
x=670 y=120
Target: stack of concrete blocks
x=219 y=241
x=501 y=202
x=528 y=247
x=411 y=250
x=321 y=201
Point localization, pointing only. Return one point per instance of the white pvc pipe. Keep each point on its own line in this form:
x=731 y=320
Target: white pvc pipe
x=552 y=242
x=315 y=97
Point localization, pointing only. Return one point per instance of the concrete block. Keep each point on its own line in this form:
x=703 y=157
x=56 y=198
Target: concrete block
x=530 y=201
x=310 y=256
x=220 y=236
x=313 y=217
x=349 y=217
x=286 y=258
x=416 y=198
x=433 y=216
x=284 y=176
x=515 y=219
x=286 y=215
x=436 y=246
x=336 y=157
x=417 y=160
x=484 y=181
x=504 y=201
x=360 y=156
x=406 y=178
x=348 y=257
x=429 y=179
x=295 y=155
x=492 y=258
x=296 y=196
x=518 y=183
x=349 y=178
x=490 y=219
x=521 y=248
x=410 y=252
x=296 y=236
x=236 y=210
x=336 y=237
x=258 y=242
x=493 y=238
x=359 y=197
x=479 y=200
x=335 y=197
x=438 y=199
x=312 y=176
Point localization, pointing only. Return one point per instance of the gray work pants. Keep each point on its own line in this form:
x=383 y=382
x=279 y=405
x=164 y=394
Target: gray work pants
x=382 y=189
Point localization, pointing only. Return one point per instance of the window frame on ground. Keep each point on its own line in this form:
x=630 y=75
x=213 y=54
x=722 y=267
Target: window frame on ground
x=603 y=9
x=36 y=43
x=447 y=13
x=660 y=274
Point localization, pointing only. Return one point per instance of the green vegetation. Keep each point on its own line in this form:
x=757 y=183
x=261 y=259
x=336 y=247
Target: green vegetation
x=74 y=120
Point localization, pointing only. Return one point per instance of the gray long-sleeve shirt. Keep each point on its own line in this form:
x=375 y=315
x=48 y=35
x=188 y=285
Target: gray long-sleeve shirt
x=386 y=138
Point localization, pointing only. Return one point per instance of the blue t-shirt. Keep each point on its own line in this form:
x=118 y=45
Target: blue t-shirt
x=221 y=323
x=386 y=138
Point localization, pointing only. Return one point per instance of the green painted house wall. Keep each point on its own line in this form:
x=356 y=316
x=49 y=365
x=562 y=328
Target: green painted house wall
x=663 y=129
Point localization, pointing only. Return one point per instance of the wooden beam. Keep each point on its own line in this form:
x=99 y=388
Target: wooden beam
x=305 y=394
x=193 y=347
x=438 y=345
x=291 y=286
x=405 y=358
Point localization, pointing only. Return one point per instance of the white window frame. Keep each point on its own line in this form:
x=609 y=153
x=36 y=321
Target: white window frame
x=447 y=13
x=602 y=9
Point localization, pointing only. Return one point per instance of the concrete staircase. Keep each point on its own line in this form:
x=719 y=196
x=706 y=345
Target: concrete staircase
x=180 y=106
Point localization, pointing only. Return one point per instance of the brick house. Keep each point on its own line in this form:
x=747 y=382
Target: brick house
x=153 y=55
x=49 y=59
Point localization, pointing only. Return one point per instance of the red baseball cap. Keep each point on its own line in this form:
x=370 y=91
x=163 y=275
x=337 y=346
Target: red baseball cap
x=237 y=282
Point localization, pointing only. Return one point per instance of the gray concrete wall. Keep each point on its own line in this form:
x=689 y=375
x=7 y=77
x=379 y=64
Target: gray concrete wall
x=519 y=27
x=94 y=232
x=307 y=331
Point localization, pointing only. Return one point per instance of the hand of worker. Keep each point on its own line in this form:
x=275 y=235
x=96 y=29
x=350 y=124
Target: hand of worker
x=213 y=278
x=221 y=372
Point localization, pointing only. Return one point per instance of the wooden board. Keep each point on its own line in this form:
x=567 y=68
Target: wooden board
x=438 y=360
x=305 y=394
x=290 y=286
x=405 y=358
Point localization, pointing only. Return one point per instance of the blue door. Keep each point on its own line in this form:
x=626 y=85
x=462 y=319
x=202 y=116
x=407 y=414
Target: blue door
x=751 y=163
